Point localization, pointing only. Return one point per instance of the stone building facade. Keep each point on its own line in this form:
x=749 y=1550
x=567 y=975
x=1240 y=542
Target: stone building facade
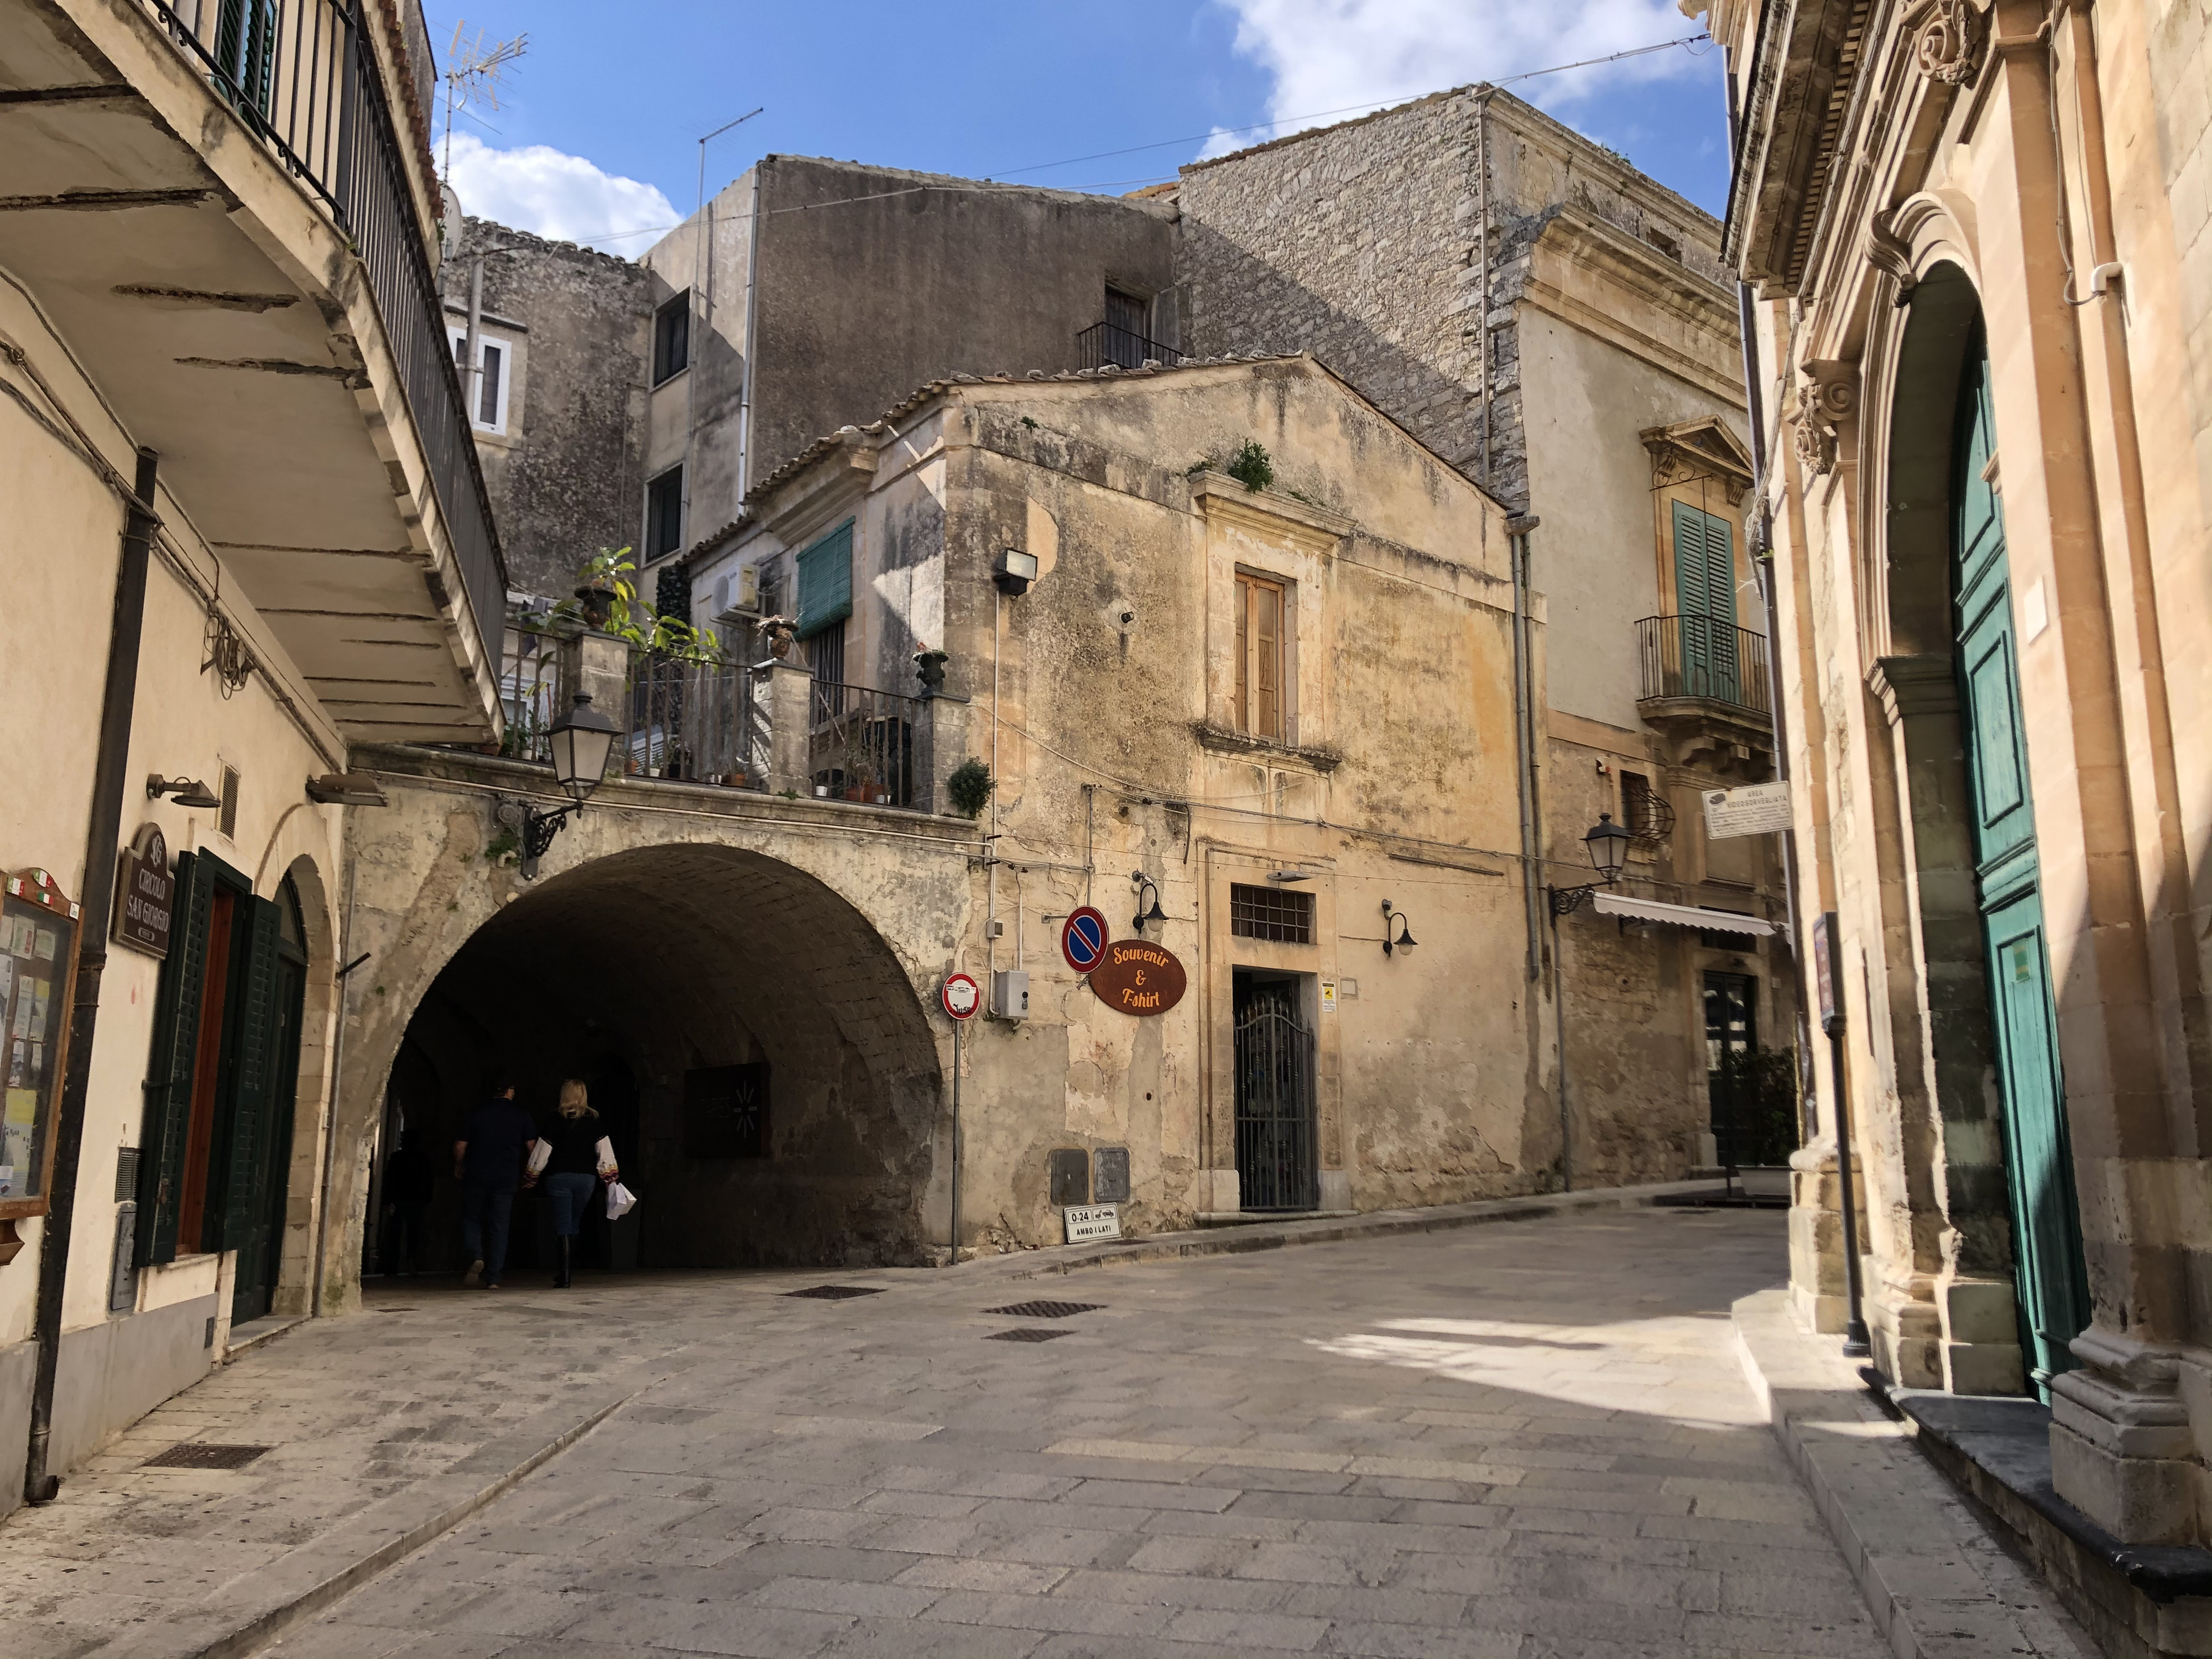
x=1560 y=328
x=558 y=400
x=1980 y=304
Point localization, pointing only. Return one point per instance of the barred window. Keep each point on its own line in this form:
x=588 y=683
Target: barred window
x=1271 y=913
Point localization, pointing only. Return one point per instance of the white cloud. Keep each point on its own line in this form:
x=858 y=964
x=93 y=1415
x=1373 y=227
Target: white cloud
x=1328 y=54
x=548 y=192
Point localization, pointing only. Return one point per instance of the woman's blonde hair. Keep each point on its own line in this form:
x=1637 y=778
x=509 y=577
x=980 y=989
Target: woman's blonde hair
x=573 y=1103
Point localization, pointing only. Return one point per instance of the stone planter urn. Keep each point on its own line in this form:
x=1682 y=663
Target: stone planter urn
x=930 y=665
x=779 y=633
x=599 y=606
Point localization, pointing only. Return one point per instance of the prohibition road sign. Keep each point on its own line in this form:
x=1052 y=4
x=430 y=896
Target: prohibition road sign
x=961 y=997
x=1082 y=938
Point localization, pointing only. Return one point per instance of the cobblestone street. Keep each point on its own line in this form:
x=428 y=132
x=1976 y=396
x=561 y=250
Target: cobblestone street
x=1511 y=1440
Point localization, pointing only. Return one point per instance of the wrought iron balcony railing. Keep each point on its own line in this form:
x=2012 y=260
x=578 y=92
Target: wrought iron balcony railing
x=697 y=718
x=1700 y=657
x=302 y=76
x=860 y=745
x=1109 y=342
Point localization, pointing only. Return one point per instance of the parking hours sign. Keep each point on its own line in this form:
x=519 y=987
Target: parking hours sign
x=961 y=997
x=1082 y=938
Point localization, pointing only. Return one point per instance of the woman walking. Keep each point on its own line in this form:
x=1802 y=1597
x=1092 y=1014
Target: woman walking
x=579 y=1157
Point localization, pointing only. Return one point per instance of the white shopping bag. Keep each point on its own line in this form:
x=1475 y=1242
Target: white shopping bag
x=619 y=1200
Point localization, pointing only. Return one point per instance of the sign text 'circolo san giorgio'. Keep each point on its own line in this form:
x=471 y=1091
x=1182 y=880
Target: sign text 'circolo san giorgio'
x=1139 y=978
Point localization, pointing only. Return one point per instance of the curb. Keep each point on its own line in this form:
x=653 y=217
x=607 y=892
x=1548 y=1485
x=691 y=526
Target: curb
x=1282 y=1235
x=1939 y=1585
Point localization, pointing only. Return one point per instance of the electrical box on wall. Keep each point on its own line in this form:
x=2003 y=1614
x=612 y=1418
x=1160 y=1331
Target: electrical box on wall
x=1010 y=994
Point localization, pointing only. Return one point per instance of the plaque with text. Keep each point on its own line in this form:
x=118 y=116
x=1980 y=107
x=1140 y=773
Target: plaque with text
x=145 y=893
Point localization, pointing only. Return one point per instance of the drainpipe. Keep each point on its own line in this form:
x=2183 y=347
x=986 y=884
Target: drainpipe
x=752 y=352
x=1524 y=730
x=1762 y=566
x=103 y=837
x=471 y=353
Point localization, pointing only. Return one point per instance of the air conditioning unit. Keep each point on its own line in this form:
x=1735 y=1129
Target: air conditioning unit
x=738 y=590
x=1010 y=994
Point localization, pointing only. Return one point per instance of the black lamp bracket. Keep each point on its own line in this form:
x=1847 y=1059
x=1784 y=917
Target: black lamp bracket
x=1566 y=901
x=536 y=830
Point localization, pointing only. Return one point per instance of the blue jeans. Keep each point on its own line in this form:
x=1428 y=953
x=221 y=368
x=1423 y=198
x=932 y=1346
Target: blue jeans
x=569 y=1194
x=485 y=1211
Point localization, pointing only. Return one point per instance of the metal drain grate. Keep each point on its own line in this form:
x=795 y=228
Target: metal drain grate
x=837 y=1292
x=200 y=1455
x=1026 y=1334
x=1048 y=1309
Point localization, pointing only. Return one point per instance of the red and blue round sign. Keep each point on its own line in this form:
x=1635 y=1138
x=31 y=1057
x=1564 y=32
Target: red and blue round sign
x=1082 y=938
x=961 y=996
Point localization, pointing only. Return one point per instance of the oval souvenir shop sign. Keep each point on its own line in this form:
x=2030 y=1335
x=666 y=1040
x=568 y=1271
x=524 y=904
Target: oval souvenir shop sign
x=1139 y=977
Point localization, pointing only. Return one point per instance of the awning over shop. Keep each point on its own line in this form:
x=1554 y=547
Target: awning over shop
x=1680 y=915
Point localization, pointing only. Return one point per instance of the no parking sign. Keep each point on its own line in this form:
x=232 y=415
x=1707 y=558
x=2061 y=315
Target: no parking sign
x=1082 y=938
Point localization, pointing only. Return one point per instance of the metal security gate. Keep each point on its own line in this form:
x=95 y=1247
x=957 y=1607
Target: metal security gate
x=1277 y=1168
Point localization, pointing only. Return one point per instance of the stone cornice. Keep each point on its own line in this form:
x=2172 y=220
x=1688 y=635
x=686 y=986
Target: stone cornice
x=1598 y=279
x=1309 y=527
x=1924 y=684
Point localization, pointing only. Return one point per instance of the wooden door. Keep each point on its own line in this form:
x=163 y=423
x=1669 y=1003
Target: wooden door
x=2051 y=1284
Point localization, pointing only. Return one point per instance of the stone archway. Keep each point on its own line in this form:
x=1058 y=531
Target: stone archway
x=667 y=936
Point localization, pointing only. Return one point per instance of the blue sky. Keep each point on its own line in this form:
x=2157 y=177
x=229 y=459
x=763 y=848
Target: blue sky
x=598 y=126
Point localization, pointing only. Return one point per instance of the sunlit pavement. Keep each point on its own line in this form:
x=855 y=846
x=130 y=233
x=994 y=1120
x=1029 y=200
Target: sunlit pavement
x=1526 y=1440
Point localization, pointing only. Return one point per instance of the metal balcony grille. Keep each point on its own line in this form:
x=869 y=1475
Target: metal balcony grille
x=302 y=76
x=1109 y=342
x=1700 y=657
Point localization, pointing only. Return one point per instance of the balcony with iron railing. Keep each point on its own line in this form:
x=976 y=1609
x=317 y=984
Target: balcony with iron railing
x=1706 y=684
x=302 y=76
x=1102 y=343
x=705 y=718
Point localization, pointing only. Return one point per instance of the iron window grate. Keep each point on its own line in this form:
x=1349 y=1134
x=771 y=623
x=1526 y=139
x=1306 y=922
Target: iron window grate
x=1271 y=913
x=1046 y=1310
x=1026 y=1334
x=837 y=1292
x=203 y=1455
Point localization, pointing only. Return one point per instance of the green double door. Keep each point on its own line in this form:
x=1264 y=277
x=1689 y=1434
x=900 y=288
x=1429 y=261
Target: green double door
x=2046 y=1230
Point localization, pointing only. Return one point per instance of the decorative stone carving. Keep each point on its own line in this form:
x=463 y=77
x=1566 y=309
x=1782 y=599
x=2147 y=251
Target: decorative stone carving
x=1828 y=398
x=1890 y=254
x=1947 y=47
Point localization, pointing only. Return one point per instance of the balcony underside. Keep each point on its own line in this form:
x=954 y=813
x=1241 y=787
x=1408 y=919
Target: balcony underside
x=212 y=301
x=1712 y=734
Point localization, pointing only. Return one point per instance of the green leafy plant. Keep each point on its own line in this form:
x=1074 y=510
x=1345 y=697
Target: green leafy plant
x=969 y=787
x=660 y=632
x=503 y=847
x=1252 y=468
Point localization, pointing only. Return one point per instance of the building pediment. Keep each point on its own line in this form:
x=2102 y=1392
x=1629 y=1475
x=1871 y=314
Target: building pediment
x=1700 y=448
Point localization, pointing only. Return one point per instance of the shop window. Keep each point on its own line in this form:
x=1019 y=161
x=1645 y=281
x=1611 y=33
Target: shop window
x=1262 y=656
x=671 y=337
x=1274 y=913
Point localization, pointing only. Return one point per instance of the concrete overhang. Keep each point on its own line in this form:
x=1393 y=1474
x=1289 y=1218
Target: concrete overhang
x=229 y=325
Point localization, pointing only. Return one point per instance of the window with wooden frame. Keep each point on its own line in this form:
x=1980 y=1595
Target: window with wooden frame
x=1262 y=656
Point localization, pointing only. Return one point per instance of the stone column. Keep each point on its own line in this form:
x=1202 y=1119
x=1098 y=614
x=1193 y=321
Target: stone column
x=785 y=691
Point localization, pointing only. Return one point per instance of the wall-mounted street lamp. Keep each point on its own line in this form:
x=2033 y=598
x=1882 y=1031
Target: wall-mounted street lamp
x=1143 y=883
x=188 y=792
x=1397 y=934
x=1608 y=846
x=1014 y=572
x=581 y=740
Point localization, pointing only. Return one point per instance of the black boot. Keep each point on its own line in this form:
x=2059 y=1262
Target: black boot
x=562 y=1248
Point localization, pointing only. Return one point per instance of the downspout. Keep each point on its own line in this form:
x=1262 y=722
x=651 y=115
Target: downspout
x=103 y=837
x=752 y=351
x=1762 y=532
x=472 y=352
x=1524 y=732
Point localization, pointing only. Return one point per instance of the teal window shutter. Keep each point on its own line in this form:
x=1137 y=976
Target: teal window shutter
x=170 y=1067
x=1705 y=594
x=825 y=581
x=236 y=1167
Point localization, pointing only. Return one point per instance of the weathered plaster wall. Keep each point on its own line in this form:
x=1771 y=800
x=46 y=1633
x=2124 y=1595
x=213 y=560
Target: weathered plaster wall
x=566 y=478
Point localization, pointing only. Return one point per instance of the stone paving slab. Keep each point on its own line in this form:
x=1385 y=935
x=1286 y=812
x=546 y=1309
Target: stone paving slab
x=1532 y=1441
x=1938 y=1582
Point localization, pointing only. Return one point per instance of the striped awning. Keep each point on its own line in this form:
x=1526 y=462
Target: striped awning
x=1680 y=915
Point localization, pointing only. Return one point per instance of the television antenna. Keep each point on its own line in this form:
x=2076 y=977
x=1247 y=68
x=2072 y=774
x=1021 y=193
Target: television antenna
x=472 y=76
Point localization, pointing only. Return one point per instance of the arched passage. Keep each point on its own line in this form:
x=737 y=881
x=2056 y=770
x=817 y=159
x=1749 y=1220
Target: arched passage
x=651 y=973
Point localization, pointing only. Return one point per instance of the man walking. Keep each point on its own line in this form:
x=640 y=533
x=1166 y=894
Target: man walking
x=488 y=1162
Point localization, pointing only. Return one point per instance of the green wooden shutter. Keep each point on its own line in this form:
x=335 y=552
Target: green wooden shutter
x=241 y=1148
x=1704 y=596
x=169 y=1067
x=825 y=581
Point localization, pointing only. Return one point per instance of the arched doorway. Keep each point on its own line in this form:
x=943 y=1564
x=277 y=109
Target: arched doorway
x=1953 y=676
x=757 y=1054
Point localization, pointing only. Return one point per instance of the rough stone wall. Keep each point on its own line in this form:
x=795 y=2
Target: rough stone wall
x=565 y=481
x=1362 y=244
